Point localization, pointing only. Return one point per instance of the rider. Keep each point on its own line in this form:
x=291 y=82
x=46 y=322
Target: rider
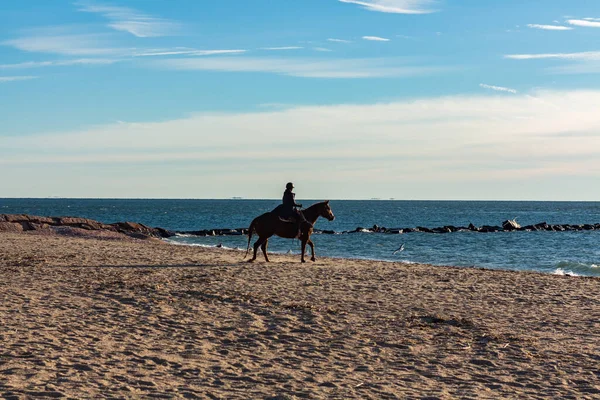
x=289 y=206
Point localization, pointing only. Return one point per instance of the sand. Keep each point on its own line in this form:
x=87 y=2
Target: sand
x=105 y=318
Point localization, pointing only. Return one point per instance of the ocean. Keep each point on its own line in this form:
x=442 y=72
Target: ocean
x=572 y=252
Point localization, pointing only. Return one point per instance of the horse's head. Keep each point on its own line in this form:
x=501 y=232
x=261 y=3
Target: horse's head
x=325 y=211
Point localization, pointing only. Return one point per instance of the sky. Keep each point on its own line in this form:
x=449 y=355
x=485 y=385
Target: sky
x=348 y=99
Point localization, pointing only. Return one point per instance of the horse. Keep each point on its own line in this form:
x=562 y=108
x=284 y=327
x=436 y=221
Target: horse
x=269 y=224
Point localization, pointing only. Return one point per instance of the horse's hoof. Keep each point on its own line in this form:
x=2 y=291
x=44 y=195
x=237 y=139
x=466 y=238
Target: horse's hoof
x=303 y=261
x=251 y=260
x=313 y=259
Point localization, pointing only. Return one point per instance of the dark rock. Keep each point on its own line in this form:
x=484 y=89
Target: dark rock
x=588 y=227
x=473 y=228
x=10 y=227
x=489 y=229
x=328 y=232
x=395 y=231
x=16 y=218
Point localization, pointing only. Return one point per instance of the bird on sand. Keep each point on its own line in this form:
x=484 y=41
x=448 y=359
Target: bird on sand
x=399 y=248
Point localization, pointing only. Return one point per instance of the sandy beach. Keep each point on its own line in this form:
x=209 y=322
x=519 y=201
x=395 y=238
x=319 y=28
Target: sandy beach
x=117 y=318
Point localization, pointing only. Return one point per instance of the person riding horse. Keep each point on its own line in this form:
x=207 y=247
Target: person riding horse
x=289 y=208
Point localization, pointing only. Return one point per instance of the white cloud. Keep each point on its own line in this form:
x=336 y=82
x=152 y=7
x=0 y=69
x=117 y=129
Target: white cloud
x=303 y=67
x=4 y=79
x=70 y=44
x=338 y=40
x=550 y=27
x=282 y=48
x=582 y=56
x=584 y=23
x=587 y=62
x=322 y=49
x=497 y=88
x=376 y=38
x=396 y=6
x=187 y=52
x=129 y=20
x=502 y=145
x=59 y=63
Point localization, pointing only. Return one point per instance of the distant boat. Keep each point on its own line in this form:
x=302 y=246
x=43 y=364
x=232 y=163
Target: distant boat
x=236 y=198
x=375 y=198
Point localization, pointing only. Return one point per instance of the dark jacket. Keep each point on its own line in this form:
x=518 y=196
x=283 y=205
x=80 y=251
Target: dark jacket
x=289 y=203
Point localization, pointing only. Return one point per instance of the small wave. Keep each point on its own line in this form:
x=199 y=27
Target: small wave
x=184 y=235
x=207 y=246
x=560 y=271
x=578 y=268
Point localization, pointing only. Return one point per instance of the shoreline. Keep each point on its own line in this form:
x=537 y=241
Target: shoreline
x=557 y=271
x=130 y=318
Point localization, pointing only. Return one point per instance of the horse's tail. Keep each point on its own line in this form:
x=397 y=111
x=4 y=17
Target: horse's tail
x=250 y=230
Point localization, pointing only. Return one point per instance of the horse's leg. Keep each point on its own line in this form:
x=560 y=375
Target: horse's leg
x=303 y=249
x=256 y=246
x=312 y=249
x=263 y=247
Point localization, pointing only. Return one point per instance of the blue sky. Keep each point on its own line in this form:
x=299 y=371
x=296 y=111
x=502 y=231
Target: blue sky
x=411 y=99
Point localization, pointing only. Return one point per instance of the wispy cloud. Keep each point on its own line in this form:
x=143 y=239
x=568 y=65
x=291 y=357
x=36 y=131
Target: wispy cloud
x=497 y=88
x=396 y=6
x=587 y=62
x=60 y=63
x=550 y=27
x=282 y=48
x=4 y=79
x=339 y=40
x=129 y=20
x=303 y=67
x=322 y=49
x=184 y=51
x=588 y=23
x=582 y=56
x=71 y=44
x=376 y=38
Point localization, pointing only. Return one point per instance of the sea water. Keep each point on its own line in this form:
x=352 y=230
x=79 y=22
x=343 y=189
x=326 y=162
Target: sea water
x=572 y=252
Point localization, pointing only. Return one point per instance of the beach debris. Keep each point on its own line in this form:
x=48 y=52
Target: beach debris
x=401 y=248
x=510 y=224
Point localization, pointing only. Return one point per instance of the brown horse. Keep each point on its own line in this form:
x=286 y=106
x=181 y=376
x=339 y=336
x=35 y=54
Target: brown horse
x=269 y=224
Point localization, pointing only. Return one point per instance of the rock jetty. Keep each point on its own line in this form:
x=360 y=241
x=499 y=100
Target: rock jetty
x=23 y=222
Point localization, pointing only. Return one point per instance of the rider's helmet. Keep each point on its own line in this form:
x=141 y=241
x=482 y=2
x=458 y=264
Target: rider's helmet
x=289 y=186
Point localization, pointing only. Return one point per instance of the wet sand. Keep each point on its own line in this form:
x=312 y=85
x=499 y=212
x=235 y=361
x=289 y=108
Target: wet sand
x=105 y=317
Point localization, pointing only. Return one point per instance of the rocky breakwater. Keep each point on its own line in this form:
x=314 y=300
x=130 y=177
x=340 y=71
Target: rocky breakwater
x=74 y=226
x=506 y=226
